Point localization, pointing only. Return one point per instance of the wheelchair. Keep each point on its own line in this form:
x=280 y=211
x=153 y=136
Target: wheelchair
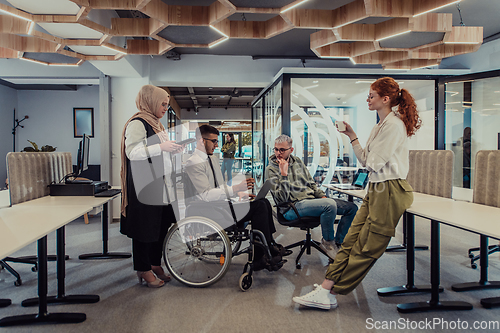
x=198 y=250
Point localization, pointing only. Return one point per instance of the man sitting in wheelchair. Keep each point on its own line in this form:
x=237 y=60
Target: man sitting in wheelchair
x=211 y=194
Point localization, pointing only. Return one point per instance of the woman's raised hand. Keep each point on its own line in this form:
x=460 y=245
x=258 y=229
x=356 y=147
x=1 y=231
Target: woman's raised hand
x=171 y=147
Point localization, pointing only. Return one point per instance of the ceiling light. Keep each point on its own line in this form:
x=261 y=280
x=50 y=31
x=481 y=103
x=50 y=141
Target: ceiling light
x=399 y=33
x=311 y=87
x=297 y=4
x=35 y=61
x=315 y=81
x=114 y=49
x=223 y=34
x=462 y=81
x=12 y=14
x=335 y=57
x=65 y=65
x=465 y=43
x=365 y=81
x=220 y=41
x=401 y=82
x=433 y=9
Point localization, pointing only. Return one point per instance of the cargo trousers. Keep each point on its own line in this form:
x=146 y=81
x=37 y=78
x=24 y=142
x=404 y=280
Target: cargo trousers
x=370 y=232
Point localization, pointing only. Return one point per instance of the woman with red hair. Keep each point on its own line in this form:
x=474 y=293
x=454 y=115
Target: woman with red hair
x=389 y=195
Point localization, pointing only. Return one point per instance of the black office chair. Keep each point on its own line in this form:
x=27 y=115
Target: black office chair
x=304 y=223
x=474 y=258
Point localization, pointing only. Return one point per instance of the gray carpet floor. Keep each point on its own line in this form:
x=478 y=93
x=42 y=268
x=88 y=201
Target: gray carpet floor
x=126 y=306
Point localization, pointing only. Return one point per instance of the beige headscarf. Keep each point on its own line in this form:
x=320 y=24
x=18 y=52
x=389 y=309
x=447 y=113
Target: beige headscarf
x=148 y=101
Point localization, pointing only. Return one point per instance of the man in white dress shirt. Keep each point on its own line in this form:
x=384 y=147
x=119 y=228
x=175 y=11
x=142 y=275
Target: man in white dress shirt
x=205 y=174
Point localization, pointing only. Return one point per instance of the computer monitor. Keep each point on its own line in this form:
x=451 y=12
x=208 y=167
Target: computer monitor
x=82 y=158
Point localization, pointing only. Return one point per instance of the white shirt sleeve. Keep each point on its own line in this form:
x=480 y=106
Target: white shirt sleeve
x=135 y=142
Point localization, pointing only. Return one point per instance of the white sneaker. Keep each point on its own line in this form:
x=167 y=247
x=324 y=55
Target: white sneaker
x=330 y=248
x=318 y=298
x=333 y=299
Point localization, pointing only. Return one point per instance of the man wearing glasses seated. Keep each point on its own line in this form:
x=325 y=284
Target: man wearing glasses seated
x=294 y=183
x=206 y=176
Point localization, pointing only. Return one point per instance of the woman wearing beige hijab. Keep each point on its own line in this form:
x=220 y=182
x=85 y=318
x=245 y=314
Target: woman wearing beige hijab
x=147 y=188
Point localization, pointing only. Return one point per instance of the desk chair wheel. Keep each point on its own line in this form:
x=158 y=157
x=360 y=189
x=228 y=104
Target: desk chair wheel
x=473 y=265
x=18 y=282
x=197 y=251
x=298 y=266
x=34 y=268
x=245 y=281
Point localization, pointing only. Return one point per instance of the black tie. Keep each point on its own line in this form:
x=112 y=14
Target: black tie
x=213 y=171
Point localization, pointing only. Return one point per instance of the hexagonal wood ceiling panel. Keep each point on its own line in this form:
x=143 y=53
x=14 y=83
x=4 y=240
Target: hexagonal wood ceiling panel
x=398 y=34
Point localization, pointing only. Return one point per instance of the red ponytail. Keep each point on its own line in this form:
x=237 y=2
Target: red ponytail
x=407 y=108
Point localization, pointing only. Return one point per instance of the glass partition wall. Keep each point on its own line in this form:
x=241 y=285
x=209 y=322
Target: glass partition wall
x=311 y=105
x=472 y=122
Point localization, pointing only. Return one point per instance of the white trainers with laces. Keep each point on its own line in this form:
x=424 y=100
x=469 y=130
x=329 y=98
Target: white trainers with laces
x=318 y=298
x=333 y=299
x=330 y=248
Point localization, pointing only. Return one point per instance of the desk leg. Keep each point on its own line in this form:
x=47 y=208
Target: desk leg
x=105 y=254
x=434 y=303
x=43 y=316
x=409 y=225
x=61 y=274
x=403 y=246
x=483 y=280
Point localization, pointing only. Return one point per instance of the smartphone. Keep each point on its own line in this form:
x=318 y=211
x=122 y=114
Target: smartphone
x=185 y=142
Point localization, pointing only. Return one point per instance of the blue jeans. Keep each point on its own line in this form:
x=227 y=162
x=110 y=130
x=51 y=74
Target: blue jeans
x=227 y=166
x=327 y=209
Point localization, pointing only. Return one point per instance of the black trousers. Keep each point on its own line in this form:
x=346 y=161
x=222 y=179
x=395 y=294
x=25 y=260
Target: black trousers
x=261 y=216
x=146 y=255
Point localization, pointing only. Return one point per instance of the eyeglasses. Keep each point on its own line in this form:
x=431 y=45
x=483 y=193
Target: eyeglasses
x=214 y=141
x=281 y=150
x=165 y=105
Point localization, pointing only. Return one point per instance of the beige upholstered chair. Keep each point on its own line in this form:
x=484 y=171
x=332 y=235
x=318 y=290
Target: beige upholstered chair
x=29 y=175
x=431 y=172
x=486 y=189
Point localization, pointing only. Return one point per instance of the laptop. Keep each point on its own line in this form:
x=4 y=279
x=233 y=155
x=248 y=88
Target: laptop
x=358 y=183
x=263 y=190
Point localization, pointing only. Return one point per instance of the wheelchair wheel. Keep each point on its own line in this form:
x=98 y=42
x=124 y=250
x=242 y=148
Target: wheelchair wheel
x=197 y=251
x=245 y=281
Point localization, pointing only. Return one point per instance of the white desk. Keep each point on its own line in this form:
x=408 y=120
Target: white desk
x=54 y=201
x=471 y=217
x=22 y=225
